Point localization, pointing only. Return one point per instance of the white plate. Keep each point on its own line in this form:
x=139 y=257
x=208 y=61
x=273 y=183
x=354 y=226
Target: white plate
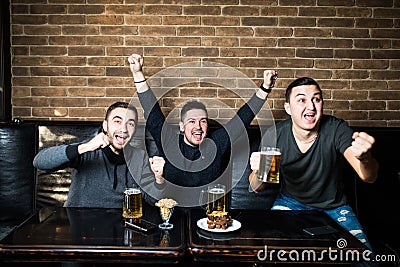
x=202 y=224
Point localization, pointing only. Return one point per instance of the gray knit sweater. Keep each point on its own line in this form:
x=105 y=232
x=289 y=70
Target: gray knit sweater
x=92 y=182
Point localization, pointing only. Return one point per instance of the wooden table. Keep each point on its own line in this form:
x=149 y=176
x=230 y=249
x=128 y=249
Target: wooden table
x=273 y=236
x=98 y=235
x=92 y=235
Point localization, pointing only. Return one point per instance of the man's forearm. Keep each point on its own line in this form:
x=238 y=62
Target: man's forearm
x=140 y=82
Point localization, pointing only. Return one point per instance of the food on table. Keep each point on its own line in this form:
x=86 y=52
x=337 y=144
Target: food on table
x=219 y=220
x=166 y=204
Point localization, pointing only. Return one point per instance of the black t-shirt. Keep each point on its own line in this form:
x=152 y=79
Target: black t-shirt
x=315 y=177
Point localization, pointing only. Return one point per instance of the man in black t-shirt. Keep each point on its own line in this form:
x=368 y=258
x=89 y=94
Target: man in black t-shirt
x=314 y=149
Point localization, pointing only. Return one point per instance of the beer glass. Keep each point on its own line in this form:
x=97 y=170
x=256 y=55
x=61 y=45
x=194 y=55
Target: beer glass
x=132 y=204
x=216 y=200
x=270 y=159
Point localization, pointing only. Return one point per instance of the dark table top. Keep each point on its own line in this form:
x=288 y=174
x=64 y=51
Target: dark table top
x=98 y=235
x=68 y=234
x=273 y=232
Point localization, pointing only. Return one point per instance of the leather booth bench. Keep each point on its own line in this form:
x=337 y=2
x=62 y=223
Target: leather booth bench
x=23 y=189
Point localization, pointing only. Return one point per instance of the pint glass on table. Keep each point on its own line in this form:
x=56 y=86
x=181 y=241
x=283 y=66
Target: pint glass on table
x=216 y=198
x=132 y=205
x=270 y=159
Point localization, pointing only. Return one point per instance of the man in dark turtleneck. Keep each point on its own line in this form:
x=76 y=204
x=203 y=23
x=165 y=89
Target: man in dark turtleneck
x=195 y=157
x=107 y=164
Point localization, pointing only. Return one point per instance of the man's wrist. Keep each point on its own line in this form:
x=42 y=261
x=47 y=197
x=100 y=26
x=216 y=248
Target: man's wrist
x=160 y=180
x=267 y=90
x=138 y=76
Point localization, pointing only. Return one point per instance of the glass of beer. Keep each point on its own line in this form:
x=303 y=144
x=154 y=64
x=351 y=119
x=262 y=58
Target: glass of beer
x=132 y=204
x=216 y=200
x=270 y=160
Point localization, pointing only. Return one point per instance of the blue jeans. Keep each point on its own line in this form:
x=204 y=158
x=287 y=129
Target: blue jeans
x=343 y=215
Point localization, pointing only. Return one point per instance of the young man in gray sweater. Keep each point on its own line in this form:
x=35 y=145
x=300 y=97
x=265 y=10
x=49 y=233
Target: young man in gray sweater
x=107 y=164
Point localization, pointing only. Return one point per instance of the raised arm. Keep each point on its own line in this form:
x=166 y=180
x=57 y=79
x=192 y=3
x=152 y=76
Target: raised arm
x=148 y=101
x=136 y=67
x=248 y=111
x=58 y=157
x=360 y=157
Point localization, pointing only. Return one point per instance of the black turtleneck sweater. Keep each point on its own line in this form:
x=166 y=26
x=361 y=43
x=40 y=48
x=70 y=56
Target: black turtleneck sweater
x=195 y=165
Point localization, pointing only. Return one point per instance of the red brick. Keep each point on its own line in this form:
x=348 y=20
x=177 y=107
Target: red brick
x=162 y=51
x=157 y=30
x=21 y=91
x=30 y=40
x=182 y=41
x=278 y=10
x=66 y=19
x=295 y=42
x=143 y=41
x=42 y=30
x=295 y=63
x=384 y=95
x=107 y=81
x=101 y=40
x=105 y=19
x=238 y=52
x=257 y=42
x=163 y=10
x=182 y=20
x=350 y=74
x=66 y=61
x=86 y=91
x=240 y=11
x=81 y=30
x=49 y=71
x=334 y=43
x=234 y=31
x=333 y=63
x=89 y=71
x=195 y=31
x=86 y=9
x=202 y=10
x=68 y=81
x=66 y=40
x=49 y=91
x=312 y=32
x=296 y=22
x=196 y=52
x=143 y=20
x=314 y=53
x=86 y=50
x=30 y=81
x=119 y=30
x=28 y=19
x=67 y=102
x=352 y=53
x=259 y=21
x=371 y=64
x=124 y=9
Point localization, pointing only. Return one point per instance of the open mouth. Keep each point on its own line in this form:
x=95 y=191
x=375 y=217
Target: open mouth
x=310 y=117
x=198 y=135
x=121 y=139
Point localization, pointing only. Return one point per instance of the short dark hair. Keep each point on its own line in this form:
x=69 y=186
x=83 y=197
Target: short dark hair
x=121 y=105
x=299 y=82
x=192 y=104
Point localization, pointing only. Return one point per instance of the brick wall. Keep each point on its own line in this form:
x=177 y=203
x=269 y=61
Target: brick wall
x=69 y=56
